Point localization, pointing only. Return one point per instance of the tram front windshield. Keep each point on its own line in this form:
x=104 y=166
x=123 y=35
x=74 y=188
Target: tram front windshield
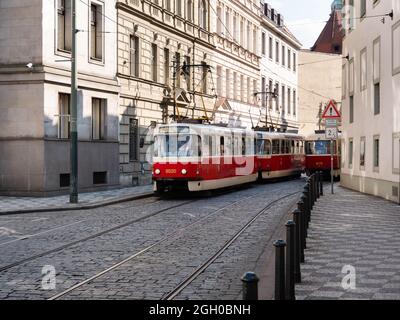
x=320 y=147
x=177 y=145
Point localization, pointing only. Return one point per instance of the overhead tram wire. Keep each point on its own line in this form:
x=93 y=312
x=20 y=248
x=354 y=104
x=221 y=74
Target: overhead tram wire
x=337 y=20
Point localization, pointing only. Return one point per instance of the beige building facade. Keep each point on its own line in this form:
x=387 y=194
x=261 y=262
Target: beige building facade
x=156 y=39
x=320 y=80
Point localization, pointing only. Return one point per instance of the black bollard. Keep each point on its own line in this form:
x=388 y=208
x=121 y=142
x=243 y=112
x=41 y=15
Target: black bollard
x=317 y=184
x=250 y=286
x=302 y=207
x=322 y=183
x=290 y=256
x=309 y=195
x=316 y=187
x=280 y=269
x=297 y=251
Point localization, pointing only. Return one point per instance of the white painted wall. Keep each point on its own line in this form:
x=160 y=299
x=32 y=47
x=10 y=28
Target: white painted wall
x=387 y=123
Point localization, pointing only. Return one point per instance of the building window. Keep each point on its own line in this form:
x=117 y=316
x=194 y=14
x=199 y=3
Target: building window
x=65 y=180
x=396 y=153
x=376 y=153
x=189 y=10
x=351 y=77
x=242 y=91
x=362 y=152
x=219 y=21
x=219 y=80
x=179 y=7
x=133 y=140
x=64 y=116
x=344 y=82
x=263 y=44
x=96 y=32
x=351 y=109
x=351 y=153
x=99 y=118
x=377 y=98
x=263 y=89
x=203 y=14
x=396 y=48
x=166 y=66
x=204 y=76
x=134 y=56
x=228 y=83
x=277 y=98
x=277 y=52
x=363 y=69
x=176 y=67
x=64 y=32
x=289 y=59
x=271 y=48
x=154 y=62
x=294 y=103
x=283 y=56
x=289 y=97
x=294 y=62
x=283 y=100
x=363 y=8
x=235 y=91
x=254 y=90
x=186 y=73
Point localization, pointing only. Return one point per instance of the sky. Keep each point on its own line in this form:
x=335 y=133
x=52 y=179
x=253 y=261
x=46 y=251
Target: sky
x=304 y=17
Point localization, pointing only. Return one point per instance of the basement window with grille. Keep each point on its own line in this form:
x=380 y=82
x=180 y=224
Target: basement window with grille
x=65 y=180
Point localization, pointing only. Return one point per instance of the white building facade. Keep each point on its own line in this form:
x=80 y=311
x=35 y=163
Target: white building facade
x=236 y=61
x=371 y=98
x=279 y=71
x=35 y=52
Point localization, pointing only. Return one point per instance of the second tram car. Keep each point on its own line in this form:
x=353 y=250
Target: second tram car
x=318 y=155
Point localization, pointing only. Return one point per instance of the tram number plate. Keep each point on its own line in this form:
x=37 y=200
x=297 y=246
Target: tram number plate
x=170 y=171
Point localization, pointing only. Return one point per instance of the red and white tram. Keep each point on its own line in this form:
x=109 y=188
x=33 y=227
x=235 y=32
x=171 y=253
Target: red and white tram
x=194 y=157
x=318 y=155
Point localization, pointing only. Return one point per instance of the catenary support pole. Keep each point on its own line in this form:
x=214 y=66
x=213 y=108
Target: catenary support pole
x=74 y=110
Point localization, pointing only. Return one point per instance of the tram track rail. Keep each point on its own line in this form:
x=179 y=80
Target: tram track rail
x=176 y=233
x=202 y=267
x=93 y=236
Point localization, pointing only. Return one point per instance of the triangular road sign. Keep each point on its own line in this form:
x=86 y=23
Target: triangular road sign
x=331 y=112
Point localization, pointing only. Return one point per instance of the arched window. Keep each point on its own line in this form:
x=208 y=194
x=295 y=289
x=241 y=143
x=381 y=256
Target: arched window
x=189 y=10
x=203 y=14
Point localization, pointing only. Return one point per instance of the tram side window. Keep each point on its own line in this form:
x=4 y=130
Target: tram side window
x=276 y=146
x=297 y=147
x=228 y=146
x=222 y=146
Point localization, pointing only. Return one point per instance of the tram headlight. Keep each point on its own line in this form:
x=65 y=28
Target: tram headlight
x=157 y=171
x=184 y=171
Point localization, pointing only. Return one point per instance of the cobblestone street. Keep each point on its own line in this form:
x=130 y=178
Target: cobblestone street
x=357 y=230
x=169 y=239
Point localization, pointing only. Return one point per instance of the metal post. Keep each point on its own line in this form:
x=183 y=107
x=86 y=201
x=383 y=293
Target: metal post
x=297 y=269
x=280 y=269
x=290 y=256
x=332 y=191
x=74 y=110
x=322 y=183
x=250 y=286
x=317 y=179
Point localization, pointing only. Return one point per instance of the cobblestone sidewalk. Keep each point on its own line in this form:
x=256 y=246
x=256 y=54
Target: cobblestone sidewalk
x=356 y=230
x=24 y=204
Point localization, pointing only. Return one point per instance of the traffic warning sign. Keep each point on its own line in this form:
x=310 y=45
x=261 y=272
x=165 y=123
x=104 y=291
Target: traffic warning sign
x=331 y=111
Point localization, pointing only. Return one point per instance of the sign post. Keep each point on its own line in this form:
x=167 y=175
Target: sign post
x=331 y=116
